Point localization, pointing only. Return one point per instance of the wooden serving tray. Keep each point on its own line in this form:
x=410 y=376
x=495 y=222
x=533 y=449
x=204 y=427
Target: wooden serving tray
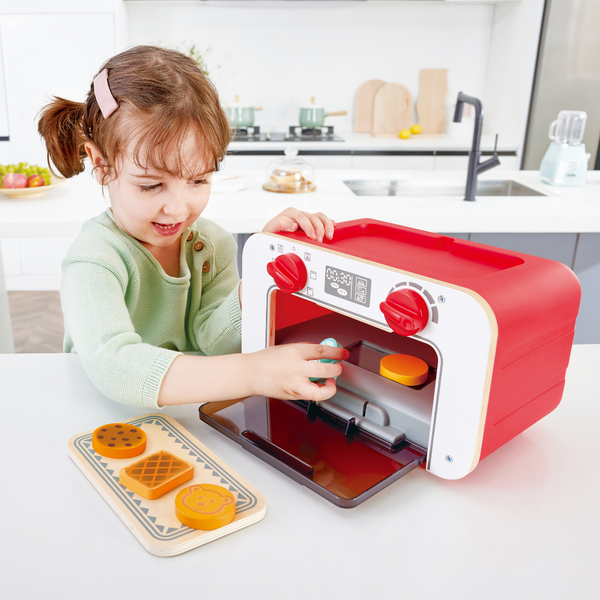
x=153 y=522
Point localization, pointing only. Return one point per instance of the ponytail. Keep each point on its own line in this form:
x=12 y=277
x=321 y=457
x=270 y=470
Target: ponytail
x=61 y=127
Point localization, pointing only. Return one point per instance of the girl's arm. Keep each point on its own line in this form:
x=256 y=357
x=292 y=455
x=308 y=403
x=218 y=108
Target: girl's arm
x=100 y=330
x=215 y=314
x=277 y=372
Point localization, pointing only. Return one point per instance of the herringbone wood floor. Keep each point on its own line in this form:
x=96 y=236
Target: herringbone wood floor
x=37 y=321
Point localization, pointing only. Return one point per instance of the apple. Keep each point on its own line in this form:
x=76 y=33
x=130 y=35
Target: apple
x=14 y=180
x=35 y=181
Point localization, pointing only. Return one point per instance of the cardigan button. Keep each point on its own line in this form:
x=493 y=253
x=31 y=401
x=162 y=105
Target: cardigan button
x=205 y=267
x=191 y=236
x=198 y=246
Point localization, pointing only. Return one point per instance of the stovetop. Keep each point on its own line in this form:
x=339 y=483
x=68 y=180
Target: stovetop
x=296 y=133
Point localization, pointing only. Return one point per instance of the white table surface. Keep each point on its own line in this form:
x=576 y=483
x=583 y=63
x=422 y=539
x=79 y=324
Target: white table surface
x=62 y=211
x=524 y=525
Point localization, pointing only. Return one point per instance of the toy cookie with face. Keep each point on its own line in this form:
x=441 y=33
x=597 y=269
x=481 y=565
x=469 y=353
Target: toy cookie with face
x=205 y=506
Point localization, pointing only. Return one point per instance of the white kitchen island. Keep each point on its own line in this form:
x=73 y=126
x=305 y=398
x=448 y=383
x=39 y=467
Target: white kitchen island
x=564 y=209
x=523 y=525
x=572 y=210
x=563 y=225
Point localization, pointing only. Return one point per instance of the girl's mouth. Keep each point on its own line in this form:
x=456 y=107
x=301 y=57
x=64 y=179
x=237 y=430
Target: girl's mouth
x=166 y=229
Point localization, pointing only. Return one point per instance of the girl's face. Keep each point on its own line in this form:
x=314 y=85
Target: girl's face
x=153 y=207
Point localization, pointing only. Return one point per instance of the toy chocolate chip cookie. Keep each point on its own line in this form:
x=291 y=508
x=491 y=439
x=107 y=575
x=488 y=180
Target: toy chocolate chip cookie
x=119 y=440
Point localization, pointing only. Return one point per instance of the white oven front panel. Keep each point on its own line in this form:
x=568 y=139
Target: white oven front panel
x=460 y=328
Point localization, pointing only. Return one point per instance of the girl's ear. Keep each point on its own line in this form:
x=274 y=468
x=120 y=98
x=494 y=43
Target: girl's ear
x=98 y=162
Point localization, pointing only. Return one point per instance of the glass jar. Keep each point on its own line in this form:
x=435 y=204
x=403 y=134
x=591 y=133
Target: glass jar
x=290 y=175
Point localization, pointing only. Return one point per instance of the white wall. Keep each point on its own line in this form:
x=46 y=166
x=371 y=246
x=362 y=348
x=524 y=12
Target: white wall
x=51 y=49
x=279 y=56
x=275 y=55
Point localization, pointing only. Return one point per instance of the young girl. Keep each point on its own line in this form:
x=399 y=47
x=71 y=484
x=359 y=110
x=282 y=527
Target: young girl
x=150 y=279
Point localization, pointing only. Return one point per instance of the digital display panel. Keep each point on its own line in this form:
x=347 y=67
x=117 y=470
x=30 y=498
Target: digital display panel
x=349 y=286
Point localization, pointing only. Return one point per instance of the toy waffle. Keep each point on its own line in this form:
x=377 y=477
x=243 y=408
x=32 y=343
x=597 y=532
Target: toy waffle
x=156 y=475
x=154 y=522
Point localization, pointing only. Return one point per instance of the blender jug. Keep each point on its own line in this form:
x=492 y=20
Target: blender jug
x=566 y=161
x=568 y=128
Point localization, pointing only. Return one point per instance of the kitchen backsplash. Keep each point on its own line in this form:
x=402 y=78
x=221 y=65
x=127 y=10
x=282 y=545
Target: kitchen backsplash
x=278 y=57
x=275 y=55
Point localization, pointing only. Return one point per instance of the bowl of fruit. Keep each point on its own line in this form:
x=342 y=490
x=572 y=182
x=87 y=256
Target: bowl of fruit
x=26 y=181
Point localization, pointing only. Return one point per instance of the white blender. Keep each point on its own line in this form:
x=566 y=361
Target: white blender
x=566 y=161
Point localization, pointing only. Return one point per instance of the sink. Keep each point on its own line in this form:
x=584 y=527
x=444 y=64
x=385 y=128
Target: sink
x=436 y=187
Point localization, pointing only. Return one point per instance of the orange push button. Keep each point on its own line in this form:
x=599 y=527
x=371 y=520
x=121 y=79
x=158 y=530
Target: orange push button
x=205 y=506
x=119 y=440
x=405 y=369
x=156 y=474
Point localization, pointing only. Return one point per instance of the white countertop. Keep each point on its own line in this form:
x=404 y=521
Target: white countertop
x=524 y=524
x=365 y=141
x=566 y=209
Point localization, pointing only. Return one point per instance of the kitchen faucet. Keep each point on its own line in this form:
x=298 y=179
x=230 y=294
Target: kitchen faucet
x=475 y=167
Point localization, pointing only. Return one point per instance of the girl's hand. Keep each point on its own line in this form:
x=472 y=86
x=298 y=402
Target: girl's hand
x=315 y=225
x=283 y=371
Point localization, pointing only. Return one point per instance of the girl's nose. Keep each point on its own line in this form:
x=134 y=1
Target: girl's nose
x=175 y=204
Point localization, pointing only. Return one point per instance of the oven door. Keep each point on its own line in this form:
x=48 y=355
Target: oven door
x=313 y=446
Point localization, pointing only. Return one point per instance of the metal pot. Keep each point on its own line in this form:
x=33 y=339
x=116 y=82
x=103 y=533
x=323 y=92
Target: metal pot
x=314 y=116
x=241 y=115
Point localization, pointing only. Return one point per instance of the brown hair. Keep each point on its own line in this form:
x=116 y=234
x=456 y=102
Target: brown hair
x=163 y=97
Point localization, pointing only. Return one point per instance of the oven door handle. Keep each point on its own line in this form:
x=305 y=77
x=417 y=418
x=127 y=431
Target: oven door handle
x=277 y=453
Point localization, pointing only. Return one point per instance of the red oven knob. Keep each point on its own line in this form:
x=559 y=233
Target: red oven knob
x=289 y=272
x=405 y=312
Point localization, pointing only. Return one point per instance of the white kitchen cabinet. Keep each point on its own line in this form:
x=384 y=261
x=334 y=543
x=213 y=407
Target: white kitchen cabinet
x=451 y=163
x=34 y=263
x=12 y=7
x=6 y=337
x=79 y=43
x=587 y=269
x=236 y=162
x=403 y=162
x=4 y=131
x=580 y=252
x=461 y=163
x=329 y=161
x=4 y=153
x=262 y=161
x=11 y=256
x=43 y=256
x=357 y=159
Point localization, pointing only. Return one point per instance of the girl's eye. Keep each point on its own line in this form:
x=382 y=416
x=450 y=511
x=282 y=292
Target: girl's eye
x=150 y=188
x=199 y=182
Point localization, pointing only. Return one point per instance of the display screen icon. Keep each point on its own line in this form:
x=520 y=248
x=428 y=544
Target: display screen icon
x=348 y=286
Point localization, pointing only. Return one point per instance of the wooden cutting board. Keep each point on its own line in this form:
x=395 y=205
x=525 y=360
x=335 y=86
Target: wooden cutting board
x=153 y=522
x=392 y=110
x=431 y=112
x=363 y=105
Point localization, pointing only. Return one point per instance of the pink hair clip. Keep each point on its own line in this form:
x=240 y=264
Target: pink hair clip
x=104 y=97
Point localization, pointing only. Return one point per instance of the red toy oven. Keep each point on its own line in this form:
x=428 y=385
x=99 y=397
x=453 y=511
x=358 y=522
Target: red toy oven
x=495 y=328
